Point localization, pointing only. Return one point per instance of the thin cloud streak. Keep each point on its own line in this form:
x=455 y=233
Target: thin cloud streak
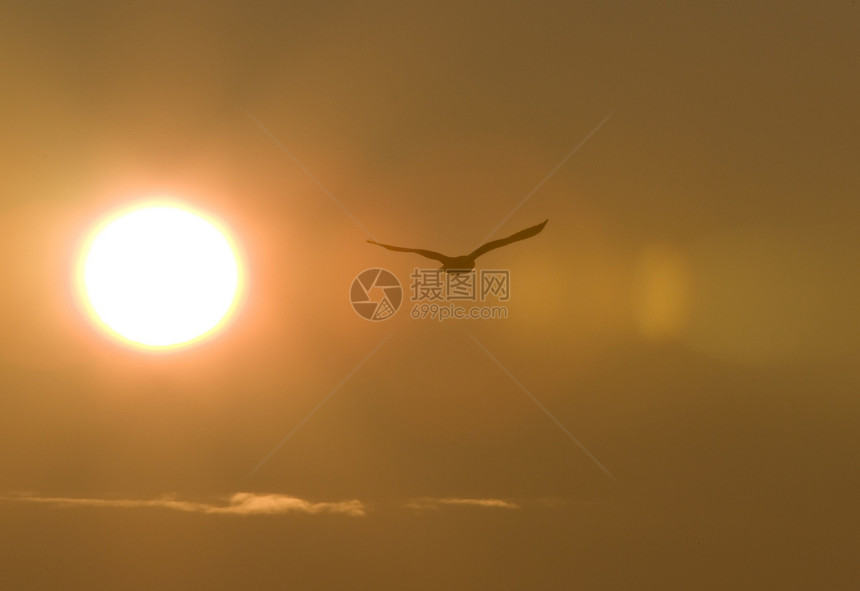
x=242 y=503
x=425 y=503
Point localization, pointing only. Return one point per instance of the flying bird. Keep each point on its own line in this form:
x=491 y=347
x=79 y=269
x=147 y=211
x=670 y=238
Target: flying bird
x=466 y=262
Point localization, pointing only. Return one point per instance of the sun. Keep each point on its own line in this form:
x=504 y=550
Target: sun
x=159 y=276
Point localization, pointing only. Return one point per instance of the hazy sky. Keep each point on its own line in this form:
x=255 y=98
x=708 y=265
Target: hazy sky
x=689 y=314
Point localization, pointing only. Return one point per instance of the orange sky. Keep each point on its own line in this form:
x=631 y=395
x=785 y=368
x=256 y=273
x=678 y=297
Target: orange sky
x=688 y=314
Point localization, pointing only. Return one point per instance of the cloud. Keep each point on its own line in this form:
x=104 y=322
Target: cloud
x=246 y=503
x=241 y=503
x=425 y=503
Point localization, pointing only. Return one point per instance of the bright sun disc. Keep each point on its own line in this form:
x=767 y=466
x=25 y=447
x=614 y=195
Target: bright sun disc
x=160 y=276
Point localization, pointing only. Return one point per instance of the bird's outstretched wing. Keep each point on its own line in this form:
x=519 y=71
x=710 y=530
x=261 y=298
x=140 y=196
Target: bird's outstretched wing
x=430 y=254
x=521 y=235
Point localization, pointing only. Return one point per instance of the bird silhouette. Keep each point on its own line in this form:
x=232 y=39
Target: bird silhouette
x=464 y=263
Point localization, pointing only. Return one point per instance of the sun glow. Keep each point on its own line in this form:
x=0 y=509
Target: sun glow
x=160 y=276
